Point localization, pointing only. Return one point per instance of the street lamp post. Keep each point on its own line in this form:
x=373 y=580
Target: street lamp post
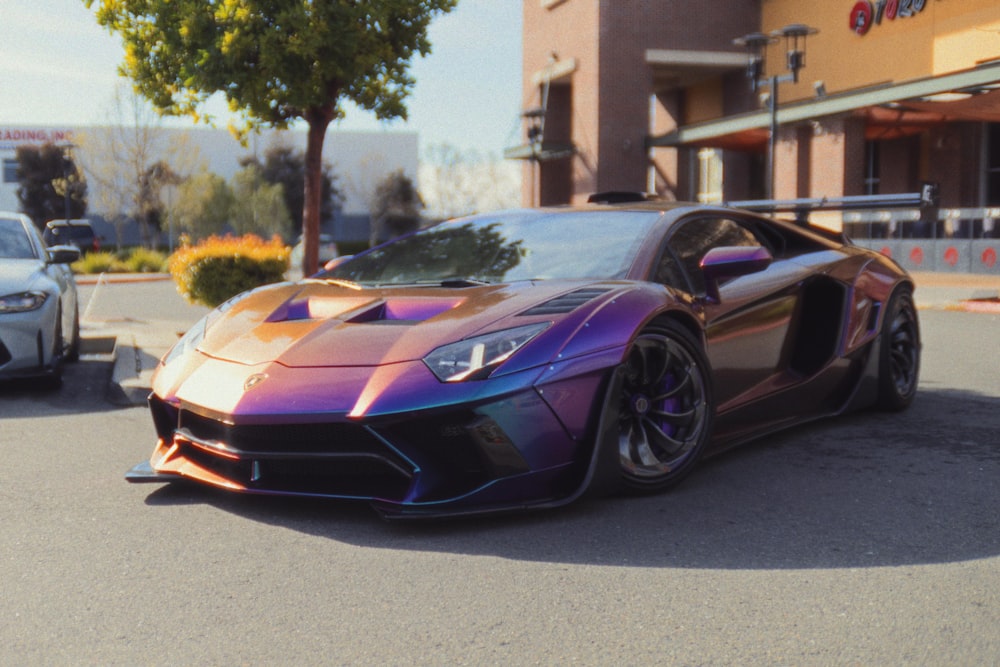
x=756 y=44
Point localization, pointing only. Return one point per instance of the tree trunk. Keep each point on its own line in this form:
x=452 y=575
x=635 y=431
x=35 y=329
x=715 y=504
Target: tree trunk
x=318 y=119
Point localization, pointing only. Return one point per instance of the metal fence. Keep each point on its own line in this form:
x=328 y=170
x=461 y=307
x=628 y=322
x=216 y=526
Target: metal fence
x=955 y=240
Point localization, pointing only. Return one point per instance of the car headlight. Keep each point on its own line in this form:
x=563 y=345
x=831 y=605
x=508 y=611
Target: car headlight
x=188 y=342
x=475 y=358
x=25 y=301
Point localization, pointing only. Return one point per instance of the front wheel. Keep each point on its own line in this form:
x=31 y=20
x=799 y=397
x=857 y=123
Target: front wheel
x=899 y=353
x=665 y=408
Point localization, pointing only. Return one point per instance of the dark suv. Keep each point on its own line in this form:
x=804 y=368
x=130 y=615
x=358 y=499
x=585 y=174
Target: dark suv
x=72 y=232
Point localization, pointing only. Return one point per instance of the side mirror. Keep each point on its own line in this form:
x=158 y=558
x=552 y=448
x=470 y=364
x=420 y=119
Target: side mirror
x=63 y=254
x=732 y=262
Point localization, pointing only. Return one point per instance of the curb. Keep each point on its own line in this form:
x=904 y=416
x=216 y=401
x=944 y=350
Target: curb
x=128 y=385
x=95 y=278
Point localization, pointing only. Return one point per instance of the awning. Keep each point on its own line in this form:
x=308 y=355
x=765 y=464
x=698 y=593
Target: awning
x=976 y=105
x=680 y=68
x=540 y=152
x=892 y=109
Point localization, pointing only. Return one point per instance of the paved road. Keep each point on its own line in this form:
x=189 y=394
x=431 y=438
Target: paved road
x=870 y=539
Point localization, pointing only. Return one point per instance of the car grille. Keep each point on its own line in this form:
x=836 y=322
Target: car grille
x=332 y=459
x=428 y=459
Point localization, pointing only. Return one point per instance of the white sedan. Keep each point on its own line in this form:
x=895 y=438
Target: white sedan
x=39 y=309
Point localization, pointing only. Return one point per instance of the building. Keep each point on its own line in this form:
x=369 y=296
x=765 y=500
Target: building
x=358 y=160
x=655 y=96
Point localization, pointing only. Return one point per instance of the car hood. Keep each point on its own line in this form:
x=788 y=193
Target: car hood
x=316 y=324
x=19 y=275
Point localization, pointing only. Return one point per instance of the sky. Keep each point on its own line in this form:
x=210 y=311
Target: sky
x=58 y=67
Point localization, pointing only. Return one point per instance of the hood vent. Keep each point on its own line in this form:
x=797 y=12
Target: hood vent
x=566 y=303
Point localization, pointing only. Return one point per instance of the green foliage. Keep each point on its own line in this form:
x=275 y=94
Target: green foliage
x=287 y=167
x=259 y=206
x=134 y=260
x=48 y=179
x=98 y=262
x=144 y=260
x=203 y=204
x=275 y=62
x=217 y=269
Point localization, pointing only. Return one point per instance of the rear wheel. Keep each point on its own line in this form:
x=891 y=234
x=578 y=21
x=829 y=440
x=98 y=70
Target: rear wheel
x=899 y=353
x=665 y=410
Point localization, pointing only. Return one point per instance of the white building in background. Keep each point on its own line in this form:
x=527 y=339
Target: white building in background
x=358 y=160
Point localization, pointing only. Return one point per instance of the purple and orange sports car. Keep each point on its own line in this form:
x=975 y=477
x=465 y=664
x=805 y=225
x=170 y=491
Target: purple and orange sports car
x=527 y=358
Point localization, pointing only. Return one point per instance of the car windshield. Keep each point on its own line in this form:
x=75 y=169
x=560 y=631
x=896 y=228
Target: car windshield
x=519 y=245
x=14 y=241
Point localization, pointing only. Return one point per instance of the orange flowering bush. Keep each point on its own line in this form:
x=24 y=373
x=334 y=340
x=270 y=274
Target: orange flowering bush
x=218 y=268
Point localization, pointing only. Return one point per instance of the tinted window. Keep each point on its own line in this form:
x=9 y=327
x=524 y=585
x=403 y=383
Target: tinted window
x=522 y=245
x=64 y=234
x=680 y=264
x=14 y=241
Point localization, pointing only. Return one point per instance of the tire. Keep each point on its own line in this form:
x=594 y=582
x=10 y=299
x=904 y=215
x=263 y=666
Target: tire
x=73 y=353
x=665 y=408
x=53 y=380
x=899 y=353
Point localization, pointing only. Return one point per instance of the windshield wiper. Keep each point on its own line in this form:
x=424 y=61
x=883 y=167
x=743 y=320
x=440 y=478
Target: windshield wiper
x=463 y=282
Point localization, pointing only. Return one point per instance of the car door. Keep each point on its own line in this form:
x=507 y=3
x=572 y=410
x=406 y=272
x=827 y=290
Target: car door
x=749 y=328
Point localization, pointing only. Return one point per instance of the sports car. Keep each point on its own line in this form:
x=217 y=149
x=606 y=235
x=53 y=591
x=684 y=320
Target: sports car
x=39 y=313
x=524 y=359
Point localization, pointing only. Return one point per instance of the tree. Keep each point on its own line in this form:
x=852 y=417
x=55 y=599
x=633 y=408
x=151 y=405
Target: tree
x=203 y=204
x=130 y=162
x=259 y=206
x=287 y=167
x=455 y=182
x=151 y=208
x=50 y=185
x=275 y=62
x=395 y=207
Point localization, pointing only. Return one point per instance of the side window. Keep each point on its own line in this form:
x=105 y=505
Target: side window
x=680 y=263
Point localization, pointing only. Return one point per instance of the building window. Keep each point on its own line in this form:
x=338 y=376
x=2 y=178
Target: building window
x=873 y=168
x=9 y=170
x=992 y=164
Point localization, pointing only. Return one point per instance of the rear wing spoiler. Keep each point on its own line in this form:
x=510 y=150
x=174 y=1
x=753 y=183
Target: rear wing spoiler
x=926 y=198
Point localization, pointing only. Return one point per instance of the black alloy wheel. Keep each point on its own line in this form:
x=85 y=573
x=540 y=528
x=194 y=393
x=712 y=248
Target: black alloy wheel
x=665 y=411
x=899 y=356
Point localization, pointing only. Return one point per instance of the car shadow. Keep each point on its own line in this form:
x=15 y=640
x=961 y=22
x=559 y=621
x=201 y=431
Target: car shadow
x=865 y=490
x=84 y=388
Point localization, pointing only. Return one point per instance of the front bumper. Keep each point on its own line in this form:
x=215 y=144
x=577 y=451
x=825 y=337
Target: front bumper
x=27 y=342
x=419 y=449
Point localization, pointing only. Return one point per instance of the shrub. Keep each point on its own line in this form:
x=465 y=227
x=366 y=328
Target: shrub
x=219 y=268
x=144 y=260
x=97 y=262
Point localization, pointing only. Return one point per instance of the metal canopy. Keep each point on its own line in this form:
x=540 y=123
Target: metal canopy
x=705 y=133
x=679 y=68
